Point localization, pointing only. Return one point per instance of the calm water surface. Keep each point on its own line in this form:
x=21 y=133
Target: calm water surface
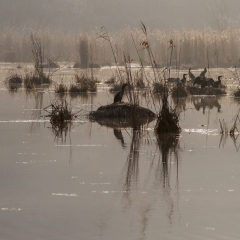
x=103 y=183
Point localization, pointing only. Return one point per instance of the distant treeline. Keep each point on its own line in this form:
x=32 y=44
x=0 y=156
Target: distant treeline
x=192 y=48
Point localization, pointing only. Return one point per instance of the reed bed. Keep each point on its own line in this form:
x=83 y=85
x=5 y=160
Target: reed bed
x=221 y=47
x=61 y=88
x=84 y=84
x=14 y=78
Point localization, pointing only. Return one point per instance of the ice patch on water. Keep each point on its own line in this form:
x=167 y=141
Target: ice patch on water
x=65 y=194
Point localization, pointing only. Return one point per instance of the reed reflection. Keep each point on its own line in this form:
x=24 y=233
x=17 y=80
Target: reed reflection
x=159 y=186
x=168 y=144
x=132 y=164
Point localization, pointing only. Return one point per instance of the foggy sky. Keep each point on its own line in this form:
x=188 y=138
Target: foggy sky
x=85 y=15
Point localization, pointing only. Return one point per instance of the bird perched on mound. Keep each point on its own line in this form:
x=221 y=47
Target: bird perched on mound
x=183 y=80
x=202 y=74
x=217 y=83
x=191 y=75
x=119 y=95
x=198 y=81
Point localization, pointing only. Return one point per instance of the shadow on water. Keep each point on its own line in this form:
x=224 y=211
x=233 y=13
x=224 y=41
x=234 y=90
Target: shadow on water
x=206 y=102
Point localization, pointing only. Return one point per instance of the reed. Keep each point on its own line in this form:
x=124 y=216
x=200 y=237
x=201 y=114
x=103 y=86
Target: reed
x=85 y=83
x=61 y=88
x=193 y=45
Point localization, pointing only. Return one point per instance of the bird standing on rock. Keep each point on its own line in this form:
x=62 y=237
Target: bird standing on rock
x=119 y=95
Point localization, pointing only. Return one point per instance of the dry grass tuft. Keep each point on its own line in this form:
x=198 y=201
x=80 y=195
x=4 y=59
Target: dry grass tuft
x=85 y=84
x=61 y=88
x=60 y=113
x=168 y=119
x=14 y=79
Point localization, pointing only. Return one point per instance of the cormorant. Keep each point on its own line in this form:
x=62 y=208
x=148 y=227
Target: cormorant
x=202 y=74
x=198 y=81
x=119 y=95
x=191 y=75
x=183 y=80
x=217 y=83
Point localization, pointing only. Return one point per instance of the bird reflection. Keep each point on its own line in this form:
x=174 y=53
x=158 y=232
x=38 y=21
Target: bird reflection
x=119 y=136
x=206 y=102
x=180 y=104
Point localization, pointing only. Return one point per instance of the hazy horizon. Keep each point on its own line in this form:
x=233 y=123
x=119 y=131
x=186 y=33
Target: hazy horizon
x=71 y=15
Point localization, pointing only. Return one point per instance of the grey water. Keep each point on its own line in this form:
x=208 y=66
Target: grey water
x=98 y=182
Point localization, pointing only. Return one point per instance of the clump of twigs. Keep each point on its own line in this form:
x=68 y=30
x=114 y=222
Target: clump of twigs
x=77 y=88
x=85 y=83
x=14 y=79
x=168 y=118
x=13 y=82
x=61 y=88
x=61 y=117
x=60 y=113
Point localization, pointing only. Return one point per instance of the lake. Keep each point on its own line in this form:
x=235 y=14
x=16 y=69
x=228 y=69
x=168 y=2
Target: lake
x=98 y=182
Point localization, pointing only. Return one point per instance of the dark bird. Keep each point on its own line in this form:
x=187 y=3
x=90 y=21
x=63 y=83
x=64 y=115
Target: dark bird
x=198 y=81
x=183 y=80
x=209 y=81
x=217 y=83
x=119 y=95
x=202 y=74
x=191 y=75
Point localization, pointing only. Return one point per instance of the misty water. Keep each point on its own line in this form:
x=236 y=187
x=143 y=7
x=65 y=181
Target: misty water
x=99 y=182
